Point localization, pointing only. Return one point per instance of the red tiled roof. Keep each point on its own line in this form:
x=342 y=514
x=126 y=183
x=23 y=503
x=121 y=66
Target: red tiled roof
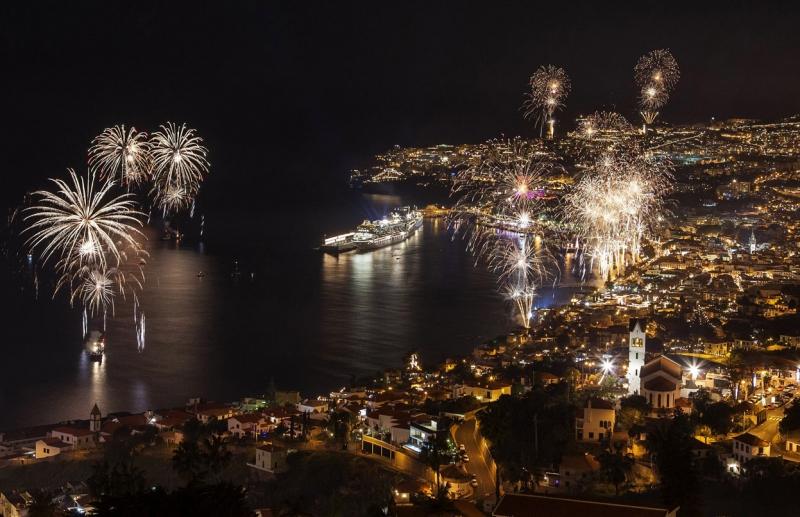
x=55 y=442
x=598 y=403
x=751 y=439
x=248 y=418
x=523 y=505
x=73 y=431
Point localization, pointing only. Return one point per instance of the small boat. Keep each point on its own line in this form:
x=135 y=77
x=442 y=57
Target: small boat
x=200 y=274
x=96 y=345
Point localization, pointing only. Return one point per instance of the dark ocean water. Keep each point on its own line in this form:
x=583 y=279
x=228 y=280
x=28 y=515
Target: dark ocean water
x=305 y=319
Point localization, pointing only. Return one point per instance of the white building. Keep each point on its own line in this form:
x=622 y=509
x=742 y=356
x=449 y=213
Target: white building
x=79 y=438
x=270 y=458
x=661 y=382
x=748 y=446
x=49 y=447
x=636 y=348
x=485 y=391
x=597 y=422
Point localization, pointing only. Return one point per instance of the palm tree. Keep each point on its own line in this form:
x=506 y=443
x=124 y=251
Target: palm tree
x=616 y=467
x=43 y=505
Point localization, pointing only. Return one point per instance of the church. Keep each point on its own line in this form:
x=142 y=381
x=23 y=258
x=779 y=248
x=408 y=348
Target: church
x=659 y=380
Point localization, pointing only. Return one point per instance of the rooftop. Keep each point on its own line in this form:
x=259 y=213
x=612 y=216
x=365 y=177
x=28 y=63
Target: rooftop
x=519 y=505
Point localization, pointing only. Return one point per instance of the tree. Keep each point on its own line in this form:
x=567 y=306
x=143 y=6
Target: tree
x=43 y=505
x=216 y=455
x=435 y=453
x=189 y=463
x=718 y=417
x=671 y=445
x=615 y=467
x=633 y=410
x=202 y=452
x=328 y=483
x=791 y=419
x=340 y=424
x=527 y=432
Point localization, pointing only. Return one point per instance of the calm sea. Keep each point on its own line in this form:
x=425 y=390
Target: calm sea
x=268 y=307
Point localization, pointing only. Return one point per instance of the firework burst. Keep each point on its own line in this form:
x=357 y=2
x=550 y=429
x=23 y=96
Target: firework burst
x=121 y=153
x=83 y=222
x=498 y=210
x=614 y=207
x=656 y=74
x=549 y=89
x=179 y=164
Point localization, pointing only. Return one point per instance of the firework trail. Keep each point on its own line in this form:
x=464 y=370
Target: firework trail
x=140 y=332
x=656 y=74
x=121 y=153
x=499 y=202
x=549 y=89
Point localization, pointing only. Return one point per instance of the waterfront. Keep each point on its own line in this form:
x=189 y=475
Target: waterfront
x=306 y=319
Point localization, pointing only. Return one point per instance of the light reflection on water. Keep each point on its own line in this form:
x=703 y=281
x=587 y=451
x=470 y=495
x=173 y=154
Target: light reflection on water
x=306 y=319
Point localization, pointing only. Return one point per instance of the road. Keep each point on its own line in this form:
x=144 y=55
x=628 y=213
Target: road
x=465 y=433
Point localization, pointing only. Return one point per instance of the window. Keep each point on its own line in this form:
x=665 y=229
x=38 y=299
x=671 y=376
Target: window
x=637 y=355
x=591 y=436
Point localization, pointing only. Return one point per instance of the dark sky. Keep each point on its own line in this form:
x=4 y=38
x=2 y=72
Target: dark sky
x=297 y=92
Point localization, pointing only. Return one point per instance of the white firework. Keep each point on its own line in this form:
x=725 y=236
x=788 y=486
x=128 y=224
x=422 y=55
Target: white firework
x=549 y=89
x=83 y=222
x=121 y=153
x=179 y=162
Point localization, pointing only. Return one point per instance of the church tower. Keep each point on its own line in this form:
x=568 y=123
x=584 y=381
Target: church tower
x=95 y=419
x=636 y=345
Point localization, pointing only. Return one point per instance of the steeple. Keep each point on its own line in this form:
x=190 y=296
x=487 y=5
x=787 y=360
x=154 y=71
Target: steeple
x=95 y=419
x=636 y=349
x=753 y=243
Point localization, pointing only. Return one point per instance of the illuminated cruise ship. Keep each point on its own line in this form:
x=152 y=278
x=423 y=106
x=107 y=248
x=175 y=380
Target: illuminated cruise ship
x=399 y=225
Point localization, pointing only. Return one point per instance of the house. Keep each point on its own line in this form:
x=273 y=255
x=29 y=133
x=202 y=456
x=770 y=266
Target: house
x=249 y=404
x=14 y=441
x=214 y=412
x=748 y=446
x=457 y=479
x=15 y=504
x=793 y=441
x=248 y=425
x=405 y=489
x=49 y=447
x=136 y=423
x=171 y=436
x=396 y=422
x=79 y=438
x=169 y=419
x=517 y=505
x=287 y=397
x=422 y=429
x=574 y=472
x=485 y=391
x=597 y=422
x=270 y=458
x=313 y=406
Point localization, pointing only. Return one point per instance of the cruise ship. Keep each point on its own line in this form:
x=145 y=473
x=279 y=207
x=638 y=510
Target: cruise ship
x=399 y=225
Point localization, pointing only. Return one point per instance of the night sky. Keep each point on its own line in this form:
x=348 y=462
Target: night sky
x=295 y=93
